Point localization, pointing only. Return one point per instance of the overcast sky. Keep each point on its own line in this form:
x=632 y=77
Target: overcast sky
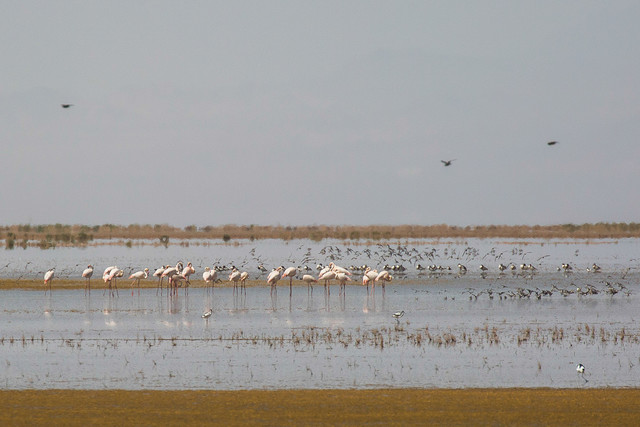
x=319 y=112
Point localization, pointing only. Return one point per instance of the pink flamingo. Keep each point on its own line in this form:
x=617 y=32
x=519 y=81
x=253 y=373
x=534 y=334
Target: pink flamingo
x=309 y=280
x=137 y=276
x=273 y=277
x=290 y=273
x=87 y=273
x=48 y=279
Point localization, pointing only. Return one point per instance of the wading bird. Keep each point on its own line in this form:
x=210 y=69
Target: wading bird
x=207 y=314
x=580 y=371
x=235 y=278
x=290 y=273
x=87 y=273
x=48 y=279
x=158 y=274
x=137 y=276
x=397 y=315
x=273 y=277
x=309 y=280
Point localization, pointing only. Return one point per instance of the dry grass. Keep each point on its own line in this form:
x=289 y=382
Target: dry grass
x=322 y=407
x=46 y=236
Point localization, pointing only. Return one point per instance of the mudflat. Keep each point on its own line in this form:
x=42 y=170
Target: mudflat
x=322 y=407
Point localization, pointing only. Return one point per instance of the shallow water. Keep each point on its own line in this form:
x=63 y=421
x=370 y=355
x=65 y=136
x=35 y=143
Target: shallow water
x=453 y=334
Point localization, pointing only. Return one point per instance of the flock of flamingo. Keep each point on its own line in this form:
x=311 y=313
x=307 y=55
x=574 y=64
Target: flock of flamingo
x=179 y=275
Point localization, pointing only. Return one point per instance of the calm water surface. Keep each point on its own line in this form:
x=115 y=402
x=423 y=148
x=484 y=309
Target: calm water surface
x=453 y=334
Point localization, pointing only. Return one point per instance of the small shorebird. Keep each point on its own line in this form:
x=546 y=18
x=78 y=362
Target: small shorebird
x=397 y=315
x=580 y=370
x=207 y=314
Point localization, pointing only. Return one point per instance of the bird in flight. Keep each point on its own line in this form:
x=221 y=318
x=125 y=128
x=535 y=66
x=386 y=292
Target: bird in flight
x=447 y=162
x=66 y=105
x=552 y=142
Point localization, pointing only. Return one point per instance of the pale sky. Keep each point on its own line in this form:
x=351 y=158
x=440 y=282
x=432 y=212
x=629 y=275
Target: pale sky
x=319 y=112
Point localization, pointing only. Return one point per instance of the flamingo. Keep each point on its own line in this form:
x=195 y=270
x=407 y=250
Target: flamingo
x=48 y=279
x=87 y=273
x=343 y=278
x=172 y=271
x=243 y=280
x=369 y=277
x=235 y=278
x=136 y=278
x=327 y=277
x=175 y=283
x=339 y=269
x=188 y=271
x=106 y=277
x=290 y=273
x=273 y=277
x=158 y=274
x=309 y=280
x=206 y=276
x=112 y=276
x=383 y=277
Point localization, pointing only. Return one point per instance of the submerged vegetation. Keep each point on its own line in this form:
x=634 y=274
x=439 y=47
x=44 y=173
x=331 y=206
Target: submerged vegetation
x=52 y=235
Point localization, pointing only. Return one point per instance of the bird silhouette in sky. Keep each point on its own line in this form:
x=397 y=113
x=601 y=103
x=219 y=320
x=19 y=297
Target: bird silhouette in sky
x=447 y=162
x=552 y=142
x=66 y=105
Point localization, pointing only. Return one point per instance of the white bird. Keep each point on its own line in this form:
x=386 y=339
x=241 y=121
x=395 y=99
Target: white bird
x=207 y=314
x=206 y=276
x=342 y=278
x=112 y=277
x=235 y=278
x=87 y=273
x=327 y=277
x=107 y=272
x=383 y=277
x=339 y=269
x=290 y=273
x=243 y=280
x=48 y=279
x=188 y=271
x=137 y=276
x=273 y=277
x=369 y=277
x=580 y=369
x=398 y=314
x=158 y=274
x=309 y=280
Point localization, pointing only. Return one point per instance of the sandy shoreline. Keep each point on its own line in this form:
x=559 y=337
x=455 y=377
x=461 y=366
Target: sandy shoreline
x=322 y=407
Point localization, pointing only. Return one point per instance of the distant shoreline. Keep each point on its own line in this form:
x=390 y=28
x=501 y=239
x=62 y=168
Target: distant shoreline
x=52 y=235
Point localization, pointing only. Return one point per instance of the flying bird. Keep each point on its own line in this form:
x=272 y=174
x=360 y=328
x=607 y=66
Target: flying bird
x=552 y=142
x=66 y=105
x=447 y=162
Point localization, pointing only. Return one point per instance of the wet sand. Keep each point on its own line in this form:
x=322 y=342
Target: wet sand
x=322 y=407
